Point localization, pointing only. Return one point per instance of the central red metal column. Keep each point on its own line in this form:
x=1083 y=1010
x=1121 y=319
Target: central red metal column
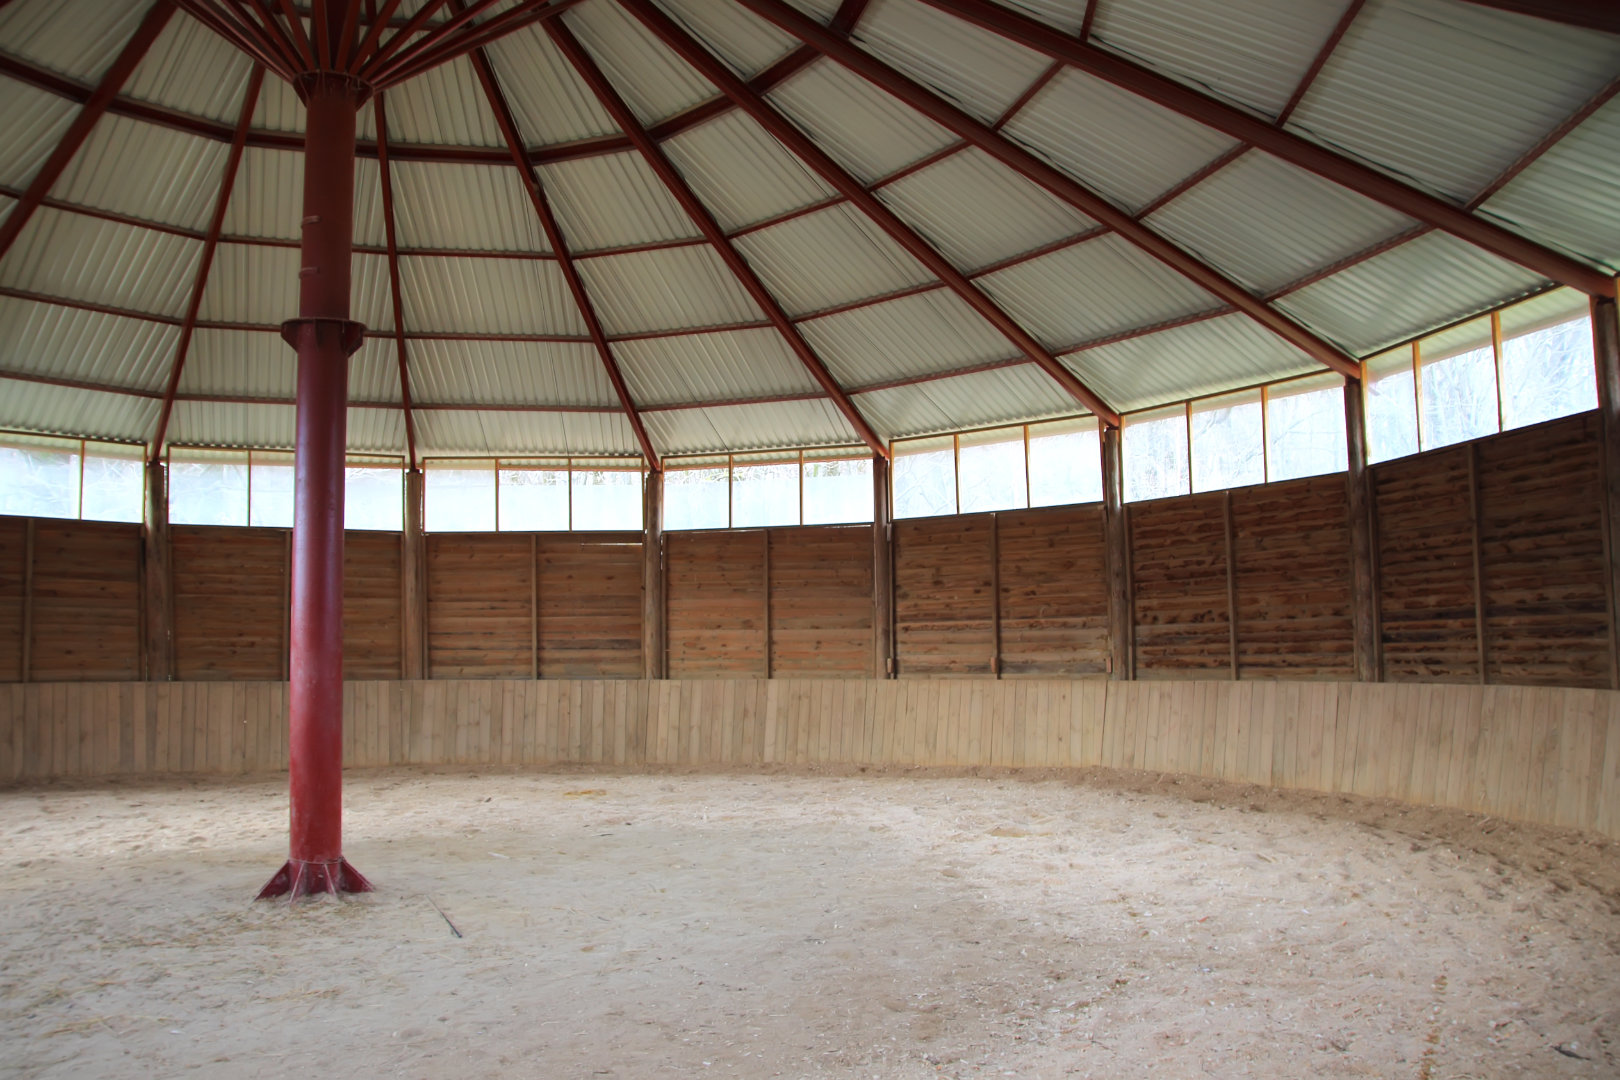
x=325 y=337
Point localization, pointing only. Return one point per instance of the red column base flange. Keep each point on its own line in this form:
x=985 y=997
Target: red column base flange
x=298 y=878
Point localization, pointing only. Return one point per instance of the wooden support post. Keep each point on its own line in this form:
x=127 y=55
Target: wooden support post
x=1231 y=587
x=413 y=579
x=995 y=595
x=1479 y=567
x=765 y=598
x=654 y=612
x=156 y=581
x=27 y=661
x=882 y=573
x=1116 y=535
x=1359 y=508
x=1606 y=340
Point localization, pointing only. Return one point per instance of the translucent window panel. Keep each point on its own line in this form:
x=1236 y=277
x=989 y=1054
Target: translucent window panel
x=459 y=499
x=697 y=498
x=1228 y=442
x=1549 y=372
x=533 y=500
x=990 y=468
x=1457 y=385
x=837 y=492
x=1305 y=428
x=374 y=498
x=1065 y=463
x=270 y=500
x=1390 y=407
x=114 y=486
x=208 y=490
x=925 y=478
x=766 y=494
x=608 y=499
x=1154 y=453
x=39 y=481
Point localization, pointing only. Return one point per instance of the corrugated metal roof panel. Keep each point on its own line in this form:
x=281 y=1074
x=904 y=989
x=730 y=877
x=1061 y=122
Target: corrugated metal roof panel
x=611 y=201
x=981 y=72
x=915 y=335
x=741 y=173
x=443 y=432
x=1451 y=94
x=1252 y=52
x=1427 y=282
x=503 y=372
x=830 y=257
x=194 y=70
x=57 y=410
x=548 y=98
x=865 y=130
x=711 y=367
x=977 y=211
x=471 y=207
x=1006 y=395
x=652 y=80
x=222 y=423
x=771 y=426
x=101 y=262
x=1267 y=223
x=373 y=370
x=267 y=199
x=279 y=108
x=47 y=339
x=368 y=209
x=242 y=363
x=1186 y=361
x=146 y=171
x=666 y=289
x=445 y=105
x=1091 y=290
x=1571 y=196
x=1127 y=149
x=31 y=126
x=742 y=39
x=820 y=10
x=1066 y=15
x=249 y=283
x=487 y=296
x=79 y=38
x=371 y=302
x=378 y=431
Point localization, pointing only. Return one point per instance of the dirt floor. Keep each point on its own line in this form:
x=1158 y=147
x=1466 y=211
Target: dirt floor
x=830 y=924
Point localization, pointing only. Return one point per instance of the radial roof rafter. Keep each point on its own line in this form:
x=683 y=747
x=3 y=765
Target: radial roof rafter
x=1590 y=14
x=205 y=260
x=1248 y=128
x=716 y=71
x=386 y=180
x=710 y=228
x=558 y=243
x=1060 y=184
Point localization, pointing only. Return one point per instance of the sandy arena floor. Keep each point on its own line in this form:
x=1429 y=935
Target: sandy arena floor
x=1107 y=925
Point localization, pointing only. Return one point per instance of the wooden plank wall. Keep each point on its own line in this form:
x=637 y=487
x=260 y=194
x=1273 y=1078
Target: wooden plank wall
x=230 y=602
x=821 y=601
x=715 y=602
x=480 y=605
x=1291 y=568
x=1054 y=592
x=86 y=601
x=945 y=595
x=13 y=582
x=373 y=634
x=590 y=605
x=1541 y=754
x=1179 y=574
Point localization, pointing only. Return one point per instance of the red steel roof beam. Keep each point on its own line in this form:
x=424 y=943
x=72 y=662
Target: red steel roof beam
x=151 y=26
x=1590 y=14
x=205 y=262
x=404 y=34
x=393 y=275
x=1292 y=148
x=247 y=38
x=706 y=223
x=796 y=141
x=554 y=237
x=369 y=42
x=485 y=33
x=270 y=30
x=1054 y=180
x=295 y=23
